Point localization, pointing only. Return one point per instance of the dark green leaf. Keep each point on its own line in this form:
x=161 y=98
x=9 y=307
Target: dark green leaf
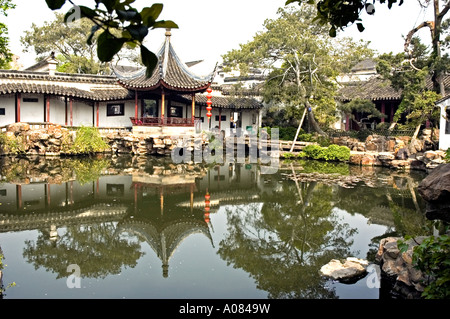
x=360 y=27
x=55 y=4
x=149 y=15
x=149 y=59
x=138 y=32
x=108 y=46
x=332 y=32
x=165 y=24
x=127 y=15
x=94 y=29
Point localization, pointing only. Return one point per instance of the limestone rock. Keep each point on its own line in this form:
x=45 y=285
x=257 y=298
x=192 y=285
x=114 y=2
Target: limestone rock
x=435 y=189
x=348 y=270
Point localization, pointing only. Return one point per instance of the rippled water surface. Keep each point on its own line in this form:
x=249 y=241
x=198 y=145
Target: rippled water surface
x=130 y=227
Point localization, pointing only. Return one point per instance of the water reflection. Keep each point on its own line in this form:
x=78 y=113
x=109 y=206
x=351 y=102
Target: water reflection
x=279 y=228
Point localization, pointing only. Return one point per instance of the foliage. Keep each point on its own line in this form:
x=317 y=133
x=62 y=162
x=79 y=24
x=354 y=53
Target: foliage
x=119 y=24
x=301 y=63
x=330 y=153
x=361 y=106
x=418 y=101
x=447 y=155
x=5 y=53
x=340 y=14
x=432 y=257
x=87 y=141
x=2 y=265
x=12 y=144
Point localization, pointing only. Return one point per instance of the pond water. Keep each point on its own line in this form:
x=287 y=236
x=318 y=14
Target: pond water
x=144 y=227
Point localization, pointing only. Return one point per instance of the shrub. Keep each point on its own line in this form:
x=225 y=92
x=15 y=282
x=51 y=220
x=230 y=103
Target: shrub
x=330 y=153
x=432 y=258
x=87 y=141
x=447 y=156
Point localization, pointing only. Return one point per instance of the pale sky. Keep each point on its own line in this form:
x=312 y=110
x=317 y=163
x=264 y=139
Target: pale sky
x=209 y=29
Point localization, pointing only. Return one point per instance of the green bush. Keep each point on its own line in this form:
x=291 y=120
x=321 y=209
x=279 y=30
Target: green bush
x=87 y=141
x=432 y=257
x=330 y=153
x=447 y=156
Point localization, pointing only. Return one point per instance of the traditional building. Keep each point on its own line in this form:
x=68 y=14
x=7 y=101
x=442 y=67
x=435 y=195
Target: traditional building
x=170 y=101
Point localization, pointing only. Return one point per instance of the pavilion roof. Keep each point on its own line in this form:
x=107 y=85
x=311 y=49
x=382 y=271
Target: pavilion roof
x=170 y=73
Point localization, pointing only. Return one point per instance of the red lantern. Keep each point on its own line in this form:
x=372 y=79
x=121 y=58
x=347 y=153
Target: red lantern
x=208 y=102
x=207 y=207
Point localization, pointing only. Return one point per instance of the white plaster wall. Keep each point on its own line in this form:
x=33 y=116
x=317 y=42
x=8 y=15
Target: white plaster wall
x=117 y=121
x=8 y=102
x=32 y=111
x=57 y=111
x=82 y=114
x=444 y=139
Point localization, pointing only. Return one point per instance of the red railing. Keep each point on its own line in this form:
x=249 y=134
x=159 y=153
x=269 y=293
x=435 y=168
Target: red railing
x=157 y=121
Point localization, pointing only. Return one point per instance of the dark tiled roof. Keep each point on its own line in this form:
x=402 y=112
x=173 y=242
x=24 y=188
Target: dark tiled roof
x=170 y=73
x=105 y=87
x=226 y=102
x=377 y=88
x=373 y=89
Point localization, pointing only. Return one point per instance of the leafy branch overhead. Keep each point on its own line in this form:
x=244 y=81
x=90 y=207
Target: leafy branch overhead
x=342 y=13
x=120 y=24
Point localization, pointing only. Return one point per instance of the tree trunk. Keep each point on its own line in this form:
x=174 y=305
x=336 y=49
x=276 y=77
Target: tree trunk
x=313 y=121
x=298 y=130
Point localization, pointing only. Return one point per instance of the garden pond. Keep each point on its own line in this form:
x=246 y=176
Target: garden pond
x=145 y=227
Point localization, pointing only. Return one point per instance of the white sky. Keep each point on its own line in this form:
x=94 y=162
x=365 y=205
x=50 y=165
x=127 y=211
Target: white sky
x=209 y=29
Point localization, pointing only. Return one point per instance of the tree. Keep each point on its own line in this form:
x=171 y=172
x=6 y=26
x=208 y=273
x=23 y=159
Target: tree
x=301 y=62
x=418 y=100
x=340 y=14
x=118 y=24
x=5 y=53
x=68 y=40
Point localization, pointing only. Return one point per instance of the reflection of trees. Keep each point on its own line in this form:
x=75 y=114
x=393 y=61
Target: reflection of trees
x=94 y=248
x=284 y=244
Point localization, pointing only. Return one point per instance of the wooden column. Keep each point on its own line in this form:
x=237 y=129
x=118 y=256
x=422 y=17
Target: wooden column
x=65 y=110
x=220 y=118
x=163 y=106
x=98 y=114
x=18 y=98
x=47 y=108
x=193 y=108
x=71 y=112
x=383 y=111
x=136 y=115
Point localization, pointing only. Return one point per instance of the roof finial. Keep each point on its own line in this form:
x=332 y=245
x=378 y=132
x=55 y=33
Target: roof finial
x=168 y=34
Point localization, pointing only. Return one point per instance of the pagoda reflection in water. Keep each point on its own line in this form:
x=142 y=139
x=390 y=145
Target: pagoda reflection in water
x=162 y=207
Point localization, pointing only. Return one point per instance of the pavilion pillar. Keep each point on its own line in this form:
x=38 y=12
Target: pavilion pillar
x=97 y=120
x=65 y=110
x=18 y=98
x=193 y=108
x=220 y=118
x=136 y=105
x=392 y=112
x=19 y=196
x=383 y=111
x=163 y=106
x=47 y=109
x=71 y=111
